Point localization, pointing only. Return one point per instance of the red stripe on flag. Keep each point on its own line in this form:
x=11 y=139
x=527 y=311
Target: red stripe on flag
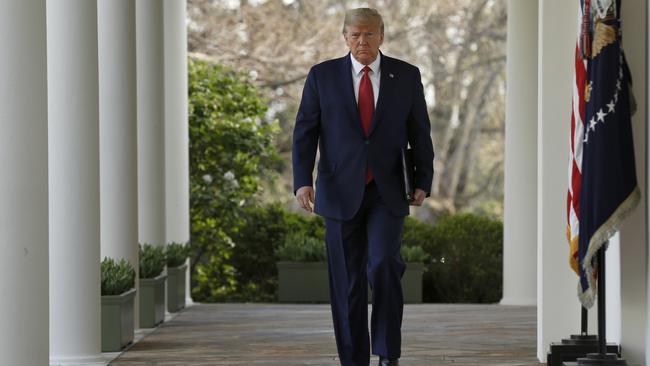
x=575 y=186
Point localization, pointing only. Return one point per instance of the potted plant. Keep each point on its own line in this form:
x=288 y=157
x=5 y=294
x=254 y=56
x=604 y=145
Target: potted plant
x=118 y=294
x=152 y=285
x=414 y=256
x=177 y=254
x=302 y=270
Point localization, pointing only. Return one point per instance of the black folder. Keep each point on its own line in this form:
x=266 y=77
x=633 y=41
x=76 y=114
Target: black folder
x=408 y=174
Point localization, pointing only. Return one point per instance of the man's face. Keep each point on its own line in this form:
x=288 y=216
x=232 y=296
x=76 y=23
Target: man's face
x=364 y=41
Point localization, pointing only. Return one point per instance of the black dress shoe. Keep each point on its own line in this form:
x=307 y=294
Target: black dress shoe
x=388 y=361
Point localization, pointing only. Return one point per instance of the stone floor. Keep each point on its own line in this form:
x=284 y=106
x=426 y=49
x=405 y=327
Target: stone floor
x=285 y=334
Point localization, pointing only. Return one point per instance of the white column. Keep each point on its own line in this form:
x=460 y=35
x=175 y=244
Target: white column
x=633 y=241
x=23 y=184
x=151 y=122
x=520 y=186
x=75 y=335
x=177 y=168
x=118 y=132
x=558 y=308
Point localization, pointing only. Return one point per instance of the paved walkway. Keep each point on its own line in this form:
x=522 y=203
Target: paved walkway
x=283 y=334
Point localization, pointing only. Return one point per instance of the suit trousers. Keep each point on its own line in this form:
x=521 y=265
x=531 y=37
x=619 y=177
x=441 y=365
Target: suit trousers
x=362 y=250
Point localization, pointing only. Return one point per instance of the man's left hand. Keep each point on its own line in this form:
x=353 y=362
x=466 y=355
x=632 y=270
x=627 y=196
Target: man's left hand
x=419 y=196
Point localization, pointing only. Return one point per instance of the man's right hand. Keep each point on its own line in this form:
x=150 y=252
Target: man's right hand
x=305 y=197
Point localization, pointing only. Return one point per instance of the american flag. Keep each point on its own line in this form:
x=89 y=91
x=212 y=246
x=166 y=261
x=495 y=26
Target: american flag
x=575 y=142
x=602 y=176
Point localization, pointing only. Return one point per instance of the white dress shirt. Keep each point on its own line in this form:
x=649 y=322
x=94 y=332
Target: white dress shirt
x=374 y=73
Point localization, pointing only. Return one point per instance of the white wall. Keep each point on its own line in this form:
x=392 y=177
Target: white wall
x=633 y=232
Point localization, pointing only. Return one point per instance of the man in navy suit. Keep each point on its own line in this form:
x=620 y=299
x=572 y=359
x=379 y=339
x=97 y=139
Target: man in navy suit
x=361 y=110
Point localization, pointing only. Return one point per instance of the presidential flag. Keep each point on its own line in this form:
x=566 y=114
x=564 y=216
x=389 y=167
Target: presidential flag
x=603 y=187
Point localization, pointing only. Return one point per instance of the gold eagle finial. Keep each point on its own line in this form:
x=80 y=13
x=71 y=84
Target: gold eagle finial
x=604 y=34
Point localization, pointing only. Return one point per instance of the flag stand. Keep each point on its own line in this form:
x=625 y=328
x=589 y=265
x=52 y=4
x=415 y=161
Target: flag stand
x=602 y=357
x=577 y=345
x=581 y=345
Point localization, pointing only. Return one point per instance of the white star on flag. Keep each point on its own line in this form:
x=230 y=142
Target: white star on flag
x=592 y=124
x=611 y=106
x=601 y=115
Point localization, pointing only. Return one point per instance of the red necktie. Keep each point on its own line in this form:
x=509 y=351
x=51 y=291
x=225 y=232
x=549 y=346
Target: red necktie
x=366 y=108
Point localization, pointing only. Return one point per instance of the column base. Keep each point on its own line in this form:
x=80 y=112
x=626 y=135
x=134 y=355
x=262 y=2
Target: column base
x=94 y=360
x=518 y=301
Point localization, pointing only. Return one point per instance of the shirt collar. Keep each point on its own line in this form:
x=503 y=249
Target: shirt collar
x=358 y=66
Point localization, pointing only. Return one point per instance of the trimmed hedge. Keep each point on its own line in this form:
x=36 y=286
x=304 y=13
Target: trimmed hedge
x=467 y=265
x=462 y=253
x=253 y=255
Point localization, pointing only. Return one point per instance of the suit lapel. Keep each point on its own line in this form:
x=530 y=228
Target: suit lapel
x=348 y=93
x=385 y=88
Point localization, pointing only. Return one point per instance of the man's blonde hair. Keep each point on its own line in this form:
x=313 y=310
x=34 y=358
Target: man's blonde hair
x=363 y=16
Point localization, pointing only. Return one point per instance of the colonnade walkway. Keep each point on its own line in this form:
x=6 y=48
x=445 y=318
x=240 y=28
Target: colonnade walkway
x=293 y=335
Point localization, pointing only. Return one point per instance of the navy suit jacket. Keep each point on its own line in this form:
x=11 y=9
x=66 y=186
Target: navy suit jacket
x=328 y=118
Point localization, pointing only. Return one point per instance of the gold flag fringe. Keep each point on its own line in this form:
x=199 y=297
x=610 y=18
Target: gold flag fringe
x=600 y=237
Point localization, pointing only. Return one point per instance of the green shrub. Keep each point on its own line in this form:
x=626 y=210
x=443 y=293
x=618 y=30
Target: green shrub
x=254 y=245
x=467 y=266
x=417 y=234
x=152 y=260
x=232 y=150
x=414 y=254
x=116 y=277
x=462 y=256
x=177 y=254
x=301 y=248
x=247 y=271
x=216 y=279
